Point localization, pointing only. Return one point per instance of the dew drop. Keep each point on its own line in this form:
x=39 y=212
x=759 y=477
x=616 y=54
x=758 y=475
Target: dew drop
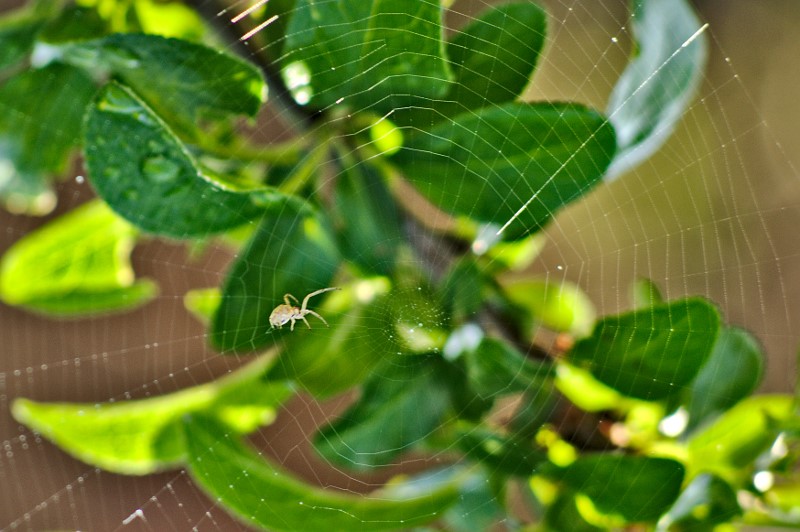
x=160 y=169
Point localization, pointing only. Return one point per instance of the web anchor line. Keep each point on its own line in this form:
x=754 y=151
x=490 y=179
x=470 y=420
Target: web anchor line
x=522 y=209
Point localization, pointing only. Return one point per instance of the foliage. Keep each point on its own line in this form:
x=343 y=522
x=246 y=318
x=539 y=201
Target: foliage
x=439 y=353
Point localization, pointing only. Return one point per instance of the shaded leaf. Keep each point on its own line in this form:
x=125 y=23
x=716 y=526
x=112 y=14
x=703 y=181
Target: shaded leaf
x=143 y=436
x=17 y=36
x=374 y=54
x=367 y=219
x=77 y=264
x=462 y=289
x=478 y=507
x=182 y=81
x=292 y=251
x=261 y=494
x=73 y=23
x=563 y=515
x=40 y=116
x=637 y=488
x=141 y=169
x=490 y=164
x=706 y=502
x=506 y=454
x=660 y=81
x=496 y=369
x=653 y=352
x=733 y=372
x=401 y=403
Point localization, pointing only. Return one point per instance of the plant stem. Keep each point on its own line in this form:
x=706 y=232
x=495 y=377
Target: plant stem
x=284 y=153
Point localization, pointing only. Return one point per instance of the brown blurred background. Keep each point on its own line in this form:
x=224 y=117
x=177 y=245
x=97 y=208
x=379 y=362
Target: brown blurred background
x=715 y=212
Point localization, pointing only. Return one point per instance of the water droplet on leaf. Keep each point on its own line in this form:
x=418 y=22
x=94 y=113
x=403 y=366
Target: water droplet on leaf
x=160 y=169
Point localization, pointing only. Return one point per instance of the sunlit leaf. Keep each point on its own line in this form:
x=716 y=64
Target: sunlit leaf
x=637 y=488
x=262 y=494
x=580 y=387
x=401 y=403
x=560 y=306
x=40 y=117
x=660 y=81
x=202 y=303
x=77 y=264
x=373 y=54
x=142 y=436
x=291 y=252
x=645 y=293
x=733 y=372
x=144 y=172
x=652 y=352
x=563 y=514
x=523 y=160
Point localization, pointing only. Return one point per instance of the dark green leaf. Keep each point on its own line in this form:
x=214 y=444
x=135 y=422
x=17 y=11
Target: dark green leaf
x=706 y=502
x=401 y=404
x=368 y=220
x=490 y=164
x=660 y=81
x=479 y=507
x=141 y=169
x=563 y=515
x=637 y=488
x=462 y=290
x=73 y=23
x=179 y=79
x=17 y=35
x=653 y=352
x=373 y=54
x=143 y=436
x=77 y=264
x=496 y=369
x=508 y=455
x=261 y=494
x=291 y=252
x=537 y=406
x=326 y=361
x=732 y=373
x=40 y=116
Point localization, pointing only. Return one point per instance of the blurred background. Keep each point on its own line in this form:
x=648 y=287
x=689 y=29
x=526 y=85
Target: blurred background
x=715 y=213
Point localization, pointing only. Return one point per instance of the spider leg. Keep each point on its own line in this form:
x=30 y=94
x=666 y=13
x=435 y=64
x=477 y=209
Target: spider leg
x=292 y=327
x=317 y=316
x=305 y=320
x=312 y=294
x=286 y=299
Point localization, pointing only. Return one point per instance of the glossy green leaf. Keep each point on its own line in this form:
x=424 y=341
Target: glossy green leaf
x=329 y=360
x=367 y=219
x=496 y=369
x=401 y=403
x=374 y=55
x=636 y=488
x=653 y=352
x=660 y=81
x=733 y=372
x=293 y=252
x=182 y=81
x=77 y=264
x=40 y=116
x=263 y=495
x=560 y=306
x=706 y=502
x=508 y=455
x=645 y=293
x=141 y=169
x=142 y=436
x=729 y=445
x=514 y=161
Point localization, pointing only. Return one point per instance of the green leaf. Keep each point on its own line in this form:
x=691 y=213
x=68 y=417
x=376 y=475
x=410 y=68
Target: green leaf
x=401 y=403
x=561 y=307
x=732 y=373
x=462 y=290
x=263 y=495
x=367 y=219
x=508 y=455
x=75 y=265
x=479 y=507
x=40 y=115
x=143 y=436
x=17 y=36
x=326 y=361
x=706 y=502
x=637 y=488
x=659 y=82
x=490 y=164
x=653 y=352
x=729 y=446
x=496 y=369
x=169 y=20
x=563 y=515
x=291 y=252
x=182 y=81
x=373 y=54
x=73 y=23
x=645 y=293
x=203 y=303
x=141 y=169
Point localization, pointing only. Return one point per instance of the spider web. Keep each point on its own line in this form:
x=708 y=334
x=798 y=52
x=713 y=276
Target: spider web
x=714 y=213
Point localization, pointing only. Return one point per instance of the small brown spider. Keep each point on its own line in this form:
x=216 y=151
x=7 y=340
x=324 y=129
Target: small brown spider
x=287 y=312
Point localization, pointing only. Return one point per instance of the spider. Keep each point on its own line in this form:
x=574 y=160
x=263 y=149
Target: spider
x=283 y=314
